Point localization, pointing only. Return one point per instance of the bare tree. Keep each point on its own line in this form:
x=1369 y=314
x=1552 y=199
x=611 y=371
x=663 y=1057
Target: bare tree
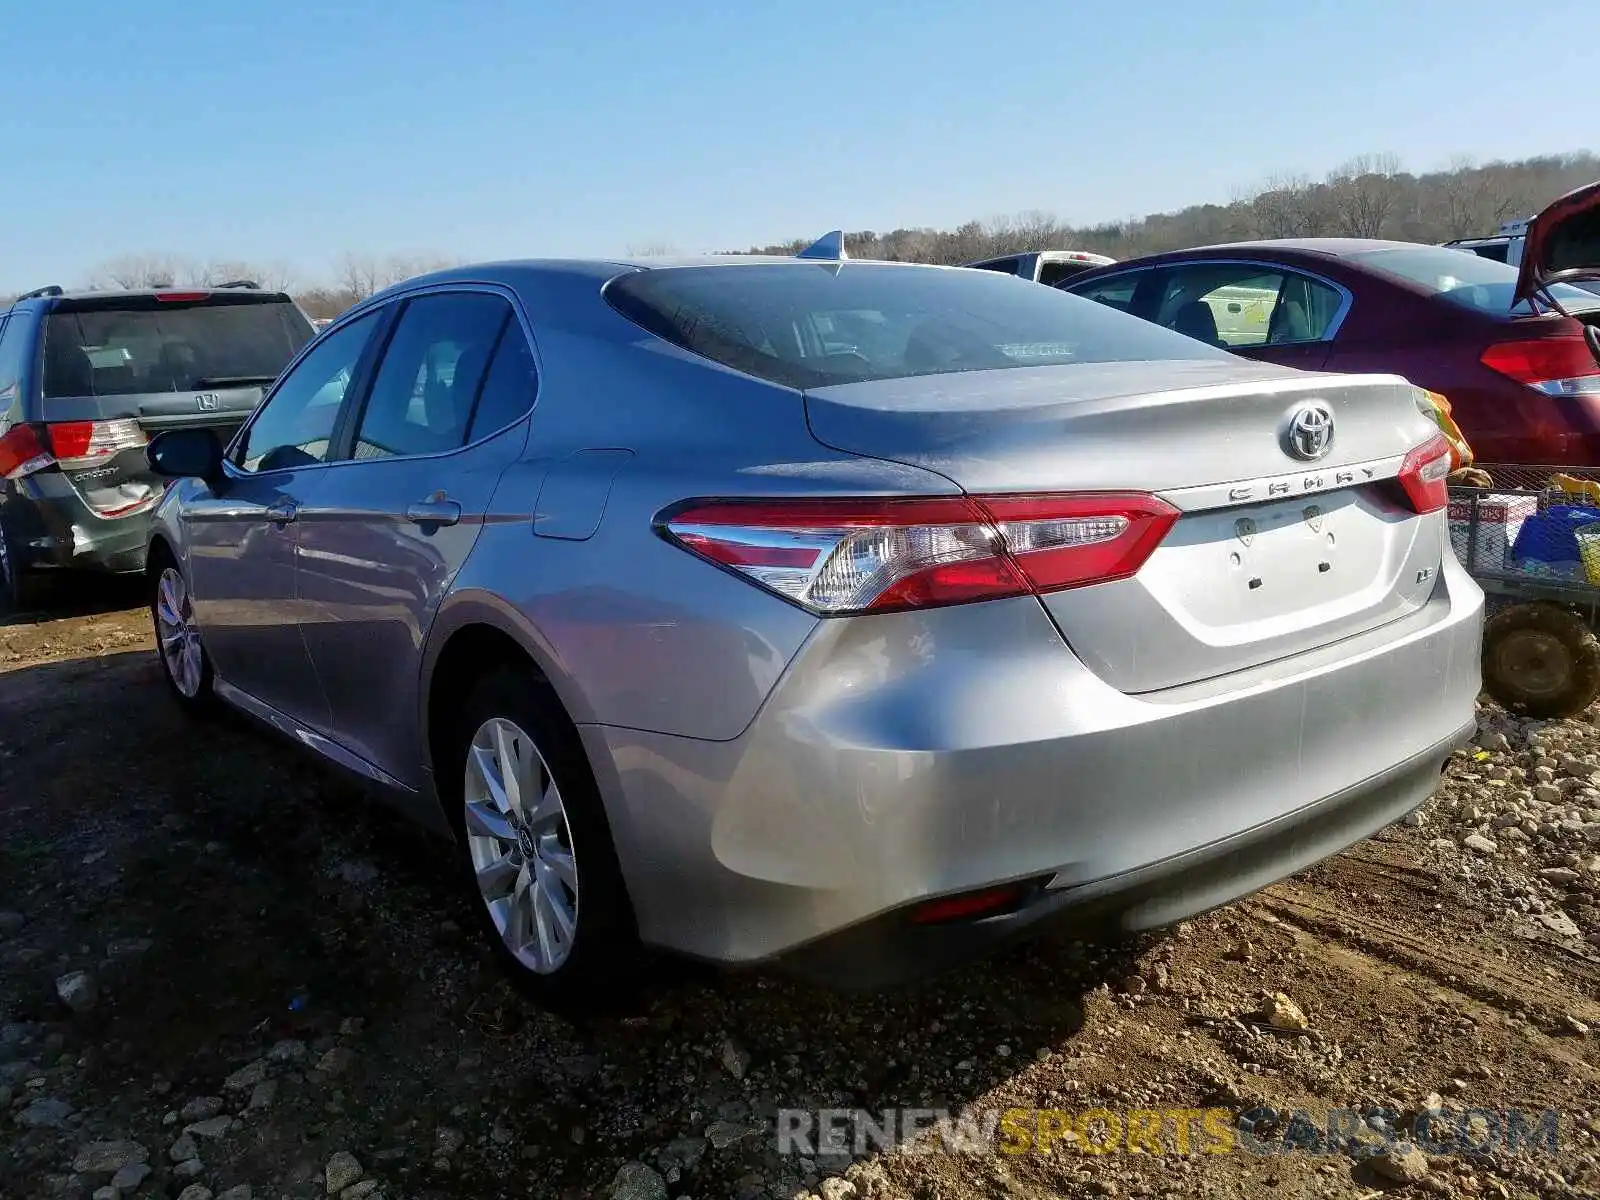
x=1363 y=194
x=1288 y=206
x=137 y=271
x=363 y=275
x=274 y=277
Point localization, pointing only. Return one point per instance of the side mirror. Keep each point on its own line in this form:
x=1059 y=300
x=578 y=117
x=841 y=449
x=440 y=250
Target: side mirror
x=186 y=454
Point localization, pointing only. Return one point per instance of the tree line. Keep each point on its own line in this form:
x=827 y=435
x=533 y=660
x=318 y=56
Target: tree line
x=1369 y=196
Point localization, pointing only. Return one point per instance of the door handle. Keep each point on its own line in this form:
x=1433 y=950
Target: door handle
x=433 y=511
x=281 y=512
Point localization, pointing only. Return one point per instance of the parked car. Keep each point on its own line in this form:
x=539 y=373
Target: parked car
x=1506 y=246
x=85 y=379
x=853 y=616
x=1520 y=380
x=1049 y=267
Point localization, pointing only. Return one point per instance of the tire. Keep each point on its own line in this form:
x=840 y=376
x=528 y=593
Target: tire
x=185 y=665
x=1541 y=660
x=530 y=868
x=21 y=590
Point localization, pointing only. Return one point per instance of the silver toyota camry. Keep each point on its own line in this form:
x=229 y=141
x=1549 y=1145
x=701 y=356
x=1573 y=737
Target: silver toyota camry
x=852 y=616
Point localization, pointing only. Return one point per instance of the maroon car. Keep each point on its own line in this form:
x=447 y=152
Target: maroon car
x=1511 y=356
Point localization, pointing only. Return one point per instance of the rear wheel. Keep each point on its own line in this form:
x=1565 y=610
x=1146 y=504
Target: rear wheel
x=21 y=590
x=535 y=845
x=1541 y=659
x=184 y=661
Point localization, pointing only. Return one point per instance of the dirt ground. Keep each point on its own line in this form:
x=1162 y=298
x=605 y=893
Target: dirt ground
x=282 y=996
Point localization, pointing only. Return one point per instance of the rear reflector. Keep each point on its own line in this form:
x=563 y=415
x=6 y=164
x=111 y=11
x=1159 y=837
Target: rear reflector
x=968 y=905
x=1425 y=474
x=1558 y=366
x=836 y=557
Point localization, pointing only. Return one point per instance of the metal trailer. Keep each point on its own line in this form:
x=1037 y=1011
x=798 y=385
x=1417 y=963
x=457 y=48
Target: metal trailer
x=1541 y=657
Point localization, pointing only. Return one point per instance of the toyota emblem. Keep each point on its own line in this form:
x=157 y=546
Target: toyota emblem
x=1309 y=432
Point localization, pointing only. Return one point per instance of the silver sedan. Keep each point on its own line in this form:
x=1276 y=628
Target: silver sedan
x=853 y=616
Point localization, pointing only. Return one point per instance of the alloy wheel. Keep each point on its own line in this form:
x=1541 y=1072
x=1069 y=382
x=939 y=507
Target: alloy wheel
x=177 y=634
x=520 y=846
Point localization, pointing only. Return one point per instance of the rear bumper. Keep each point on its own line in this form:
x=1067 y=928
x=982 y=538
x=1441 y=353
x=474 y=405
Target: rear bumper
x=892 y=949
x=51 y=527
x=916 y=755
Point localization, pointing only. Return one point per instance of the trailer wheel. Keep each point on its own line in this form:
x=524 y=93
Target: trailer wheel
x=1541 y=660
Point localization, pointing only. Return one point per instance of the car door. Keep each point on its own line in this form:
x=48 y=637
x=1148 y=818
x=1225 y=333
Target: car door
x=242 y=537
x=421 y=454
x=1265 y=311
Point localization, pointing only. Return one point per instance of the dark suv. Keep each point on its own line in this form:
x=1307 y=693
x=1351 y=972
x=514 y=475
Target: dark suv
x=86 y=379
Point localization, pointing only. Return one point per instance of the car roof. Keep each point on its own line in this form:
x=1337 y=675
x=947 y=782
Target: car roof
x=1328 y=247
x=602 y=266
x=49 y=296
x=509 y=270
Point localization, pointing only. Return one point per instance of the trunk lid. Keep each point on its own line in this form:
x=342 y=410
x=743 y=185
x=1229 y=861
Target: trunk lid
x=1290 y=538
x=1562 y=243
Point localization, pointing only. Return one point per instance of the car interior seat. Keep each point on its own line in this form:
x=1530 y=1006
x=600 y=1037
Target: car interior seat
x=1289 y=323
x=453 y=417
x=1195 y=319
x=67 y=370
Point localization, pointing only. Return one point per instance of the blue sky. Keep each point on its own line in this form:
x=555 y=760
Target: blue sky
x=294 y=131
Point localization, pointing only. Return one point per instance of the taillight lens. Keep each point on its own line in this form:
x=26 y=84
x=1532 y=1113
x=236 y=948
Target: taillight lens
x=23 y=451
x=837 y=557
x=1425 y=473
x=74 y=445
x=1557 y=366
x=79 y=445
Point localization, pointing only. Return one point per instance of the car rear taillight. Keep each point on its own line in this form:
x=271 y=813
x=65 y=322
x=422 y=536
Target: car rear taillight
x=79 y=445
x=75 y=445
x=836 y=557
x=181 y=297
x=1558 y=366
x=23 y=451
x=1425 y=473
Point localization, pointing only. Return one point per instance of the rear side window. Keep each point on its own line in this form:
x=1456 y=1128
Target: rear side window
x=12 y=335
x=813 y=324
x=151 y=346
x=508 y=388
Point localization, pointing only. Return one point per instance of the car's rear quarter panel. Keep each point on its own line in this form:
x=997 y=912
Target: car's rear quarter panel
x=638 y=632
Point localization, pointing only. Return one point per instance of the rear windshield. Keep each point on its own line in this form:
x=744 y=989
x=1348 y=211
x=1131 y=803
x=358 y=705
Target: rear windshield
x=810 y=324
x=1462 y=278
x=151 y=346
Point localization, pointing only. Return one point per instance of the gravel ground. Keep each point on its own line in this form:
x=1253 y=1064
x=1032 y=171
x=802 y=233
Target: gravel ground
x=225 y=974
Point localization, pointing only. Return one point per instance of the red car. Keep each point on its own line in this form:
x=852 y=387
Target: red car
x=1508 y=348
